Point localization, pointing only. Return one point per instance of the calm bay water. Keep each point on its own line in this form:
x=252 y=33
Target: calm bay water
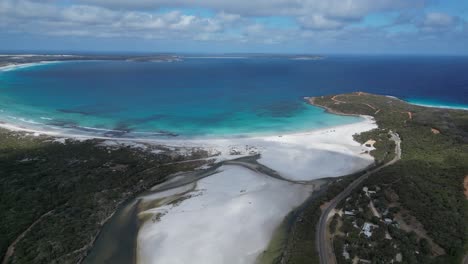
x=223 y=96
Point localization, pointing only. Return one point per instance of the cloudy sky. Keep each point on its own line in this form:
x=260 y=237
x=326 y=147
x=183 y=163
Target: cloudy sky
x=284 y=26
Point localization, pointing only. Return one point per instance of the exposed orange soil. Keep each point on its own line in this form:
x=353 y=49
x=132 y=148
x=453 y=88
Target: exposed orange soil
x=370 y=143
x=336 y=100
x=465 y=183
x=435 y=131
x=410 y=115
x=371 y=106
x=414 y=225
x=324 y=205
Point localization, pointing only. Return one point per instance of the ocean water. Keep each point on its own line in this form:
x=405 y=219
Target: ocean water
x=437 y=103
x=216 y=96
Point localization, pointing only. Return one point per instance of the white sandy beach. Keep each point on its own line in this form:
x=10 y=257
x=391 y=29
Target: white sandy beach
x=329 y=152
x=305 y=156
x=230 y=217
x=237 y=210
x=16 y=66
x=441 y=106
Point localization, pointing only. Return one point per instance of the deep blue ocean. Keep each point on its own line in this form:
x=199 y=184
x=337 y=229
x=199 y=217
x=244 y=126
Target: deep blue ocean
x=217 y=96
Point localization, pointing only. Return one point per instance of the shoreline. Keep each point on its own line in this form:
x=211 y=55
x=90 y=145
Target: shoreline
x=62 y=132
x=331 y=111
x=17 y=66
x=291 y=154
x=302 y=157
x=311 y=100
x=87 y=132
x=439 y=106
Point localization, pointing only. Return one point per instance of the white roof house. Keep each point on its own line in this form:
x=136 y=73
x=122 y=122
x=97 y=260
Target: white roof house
x=345 y=252
x=367 y=229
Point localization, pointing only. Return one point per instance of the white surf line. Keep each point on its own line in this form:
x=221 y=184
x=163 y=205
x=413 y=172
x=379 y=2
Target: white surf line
x=304 y=156
x=439 y=106
x=16 y=66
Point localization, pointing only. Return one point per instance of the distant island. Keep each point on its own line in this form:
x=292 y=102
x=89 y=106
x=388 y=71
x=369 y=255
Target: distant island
x=20 y=59
x=11 y=60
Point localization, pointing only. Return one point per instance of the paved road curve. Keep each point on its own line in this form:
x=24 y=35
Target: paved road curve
x=324 y=247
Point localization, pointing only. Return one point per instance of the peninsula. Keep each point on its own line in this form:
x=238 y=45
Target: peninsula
x=414 y=210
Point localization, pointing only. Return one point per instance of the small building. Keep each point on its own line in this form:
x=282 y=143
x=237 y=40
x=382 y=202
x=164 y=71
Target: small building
x=367 y=229
x=350 y=213
x=399 y=257
x=388 y=221
x=388 y=236
x=345 y=252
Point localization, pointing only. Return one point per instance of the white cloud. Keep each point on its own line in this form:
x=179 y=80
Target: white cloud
x=88 y=14
x=320 y=22
x=315 y=22
x=438 y=20
x=338 y=8
x=27 y=9
x=86 y=20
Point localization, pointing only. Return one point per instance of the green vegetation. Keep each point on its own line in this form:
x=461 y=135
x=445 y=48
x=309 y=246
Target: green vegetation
x=68 y=191
x=428 y=180
x=300 y=245
x=384 y=147
x=386 y=241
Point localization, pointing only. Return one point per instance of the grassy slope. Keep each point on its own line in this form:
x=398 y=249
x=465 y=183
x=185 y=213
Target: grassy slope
x=429 y=177
x=80 y=182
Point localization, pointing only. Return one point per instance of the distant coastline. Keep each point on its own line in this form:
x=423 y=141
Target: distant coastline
x=436 y=104
x=8 y=61
x=15 y=66
x=15 y=61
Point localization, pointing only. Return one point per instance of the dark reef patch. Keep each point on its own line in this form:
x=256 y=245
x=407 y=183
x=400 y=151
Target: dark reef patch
x=90 y=110
x=281 y=109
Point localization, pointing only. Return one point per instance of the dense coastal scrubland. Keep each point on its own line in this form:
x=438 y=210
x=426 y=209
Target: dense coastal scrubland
x=426 y=185
x=57 y=194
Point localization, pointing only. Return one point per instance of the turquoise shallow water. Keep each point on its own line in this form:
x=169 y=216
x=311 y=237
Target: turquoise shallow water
x=126 y=105
x=214 y=97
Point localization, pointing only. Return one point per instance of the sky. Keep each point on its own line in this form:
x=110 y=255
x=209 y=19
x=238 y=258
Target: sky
x=232 y=26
